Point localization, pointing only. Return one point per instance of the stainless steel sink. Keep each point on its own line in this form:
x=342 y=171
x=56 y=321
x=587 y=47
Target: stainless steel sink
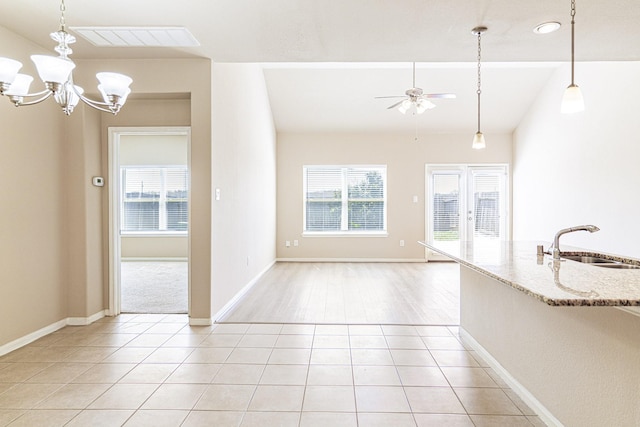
x=600 y=262
x=587 y=259
x=620 y=266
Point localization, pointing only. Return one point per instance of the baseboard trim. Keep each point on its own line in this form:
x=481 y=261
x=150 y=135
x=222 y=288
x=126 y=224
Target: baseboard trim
x=36 y=335
x=350 y=260
x=84 y=321
x=528 y=398
x=219 y=316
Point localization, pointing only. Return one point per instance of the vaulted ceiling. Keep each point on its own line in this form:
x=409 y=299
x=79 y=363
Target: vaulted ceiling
x=327 y=60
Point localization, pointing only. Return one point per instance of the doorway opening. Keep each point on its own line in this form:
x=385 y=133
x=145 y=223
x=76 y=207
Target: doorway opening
x=466 y=203
x=149 y=203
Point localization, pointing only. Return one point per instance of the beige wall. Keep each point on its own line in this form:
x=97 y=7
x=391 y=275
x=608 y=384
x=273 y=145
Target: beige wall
x=244 y=169
x=583 y=168
x=405 y=159
x=33 y=218
x=195 y=81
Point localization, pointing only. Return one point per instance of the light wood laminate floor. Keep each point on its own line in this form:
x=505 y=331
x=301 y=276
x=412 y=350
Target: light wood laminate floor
x=353 y=293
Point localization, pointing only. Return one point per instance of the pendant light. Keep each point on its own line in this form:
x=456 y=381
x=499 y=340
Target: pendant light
x=572 y=101
x=478 y=138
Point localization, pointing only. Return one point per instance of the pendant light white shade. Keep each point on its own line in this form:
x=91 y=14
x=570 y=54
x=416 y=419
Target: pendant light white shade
x=114 y=84
x=572 y=100
x=478 y=141
x=53 y=69
x=9 y=69
x=20 y=85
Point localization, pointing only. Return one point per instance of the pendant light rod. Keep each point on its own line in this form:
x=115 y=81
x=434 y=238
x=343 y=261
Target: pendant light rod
x=572 y=100
x=478 y=139
x=573 y=38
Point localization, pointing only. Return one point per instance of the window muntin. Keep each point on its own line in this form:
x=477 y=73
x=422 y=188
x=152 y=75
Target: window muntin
x=154 y=199
x=344 y=199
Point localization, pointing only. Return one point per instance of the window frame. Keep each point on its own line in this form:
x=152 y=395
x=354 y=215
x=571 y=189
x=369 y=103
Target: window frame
x=161 y=209
x=344 y=223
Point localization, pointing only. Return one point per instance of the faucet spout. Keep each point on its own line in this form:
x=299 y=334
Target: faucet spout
x=556 y=239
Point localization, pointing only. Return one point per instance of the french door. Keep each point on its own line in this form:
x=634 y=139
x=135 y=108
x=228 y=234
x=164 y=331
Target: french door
x=466 y=203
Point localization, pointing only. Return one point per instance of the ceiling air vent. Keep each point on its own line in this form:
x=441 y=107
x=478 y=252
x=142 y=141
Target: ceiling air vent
x=137 y=36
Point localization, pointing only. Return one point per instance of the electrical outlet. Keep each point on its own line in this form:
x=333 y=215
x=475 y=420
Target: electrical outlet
x=402 y=243
x=287 y=244
x=295 y=243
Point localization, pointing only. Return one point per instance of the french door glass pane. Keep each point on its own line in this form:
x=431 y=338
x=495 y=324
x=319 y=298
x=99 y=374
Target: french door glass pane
x=446 y=208
x=486 y=203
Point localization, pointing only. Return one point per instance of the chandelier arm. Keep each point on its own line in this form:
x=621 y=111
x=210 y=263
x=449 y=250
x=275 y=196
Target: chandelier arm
x=98 y=105
x=18 y=100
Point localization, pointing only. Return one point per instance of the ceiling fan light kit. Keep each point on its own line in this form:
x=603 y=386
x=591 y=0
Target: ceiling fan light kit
x=56 y=73
x=572 y=100
x=416 y=99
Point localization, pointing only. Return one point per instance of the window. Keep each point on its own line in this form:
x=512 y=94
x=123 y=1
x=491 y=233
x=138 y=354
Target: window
x=345 y=199
x=154 y=199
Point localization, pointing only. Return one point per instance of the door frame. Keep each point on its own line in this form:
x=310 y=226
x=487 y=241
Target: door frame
x=465 y=172
x=115 y=204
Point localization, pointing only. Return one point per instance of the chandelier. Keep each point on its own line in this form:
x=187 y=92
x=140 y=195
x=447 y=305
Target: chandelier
x=56 y=73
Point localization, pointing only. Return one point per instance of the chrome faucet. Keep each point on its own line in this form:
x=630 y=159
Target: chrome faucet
x=556 y=239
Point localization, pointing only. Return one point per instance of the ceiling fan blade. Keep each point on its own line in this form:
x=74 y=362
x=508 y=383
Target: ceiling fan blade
x=395 y=105
x=394 y=96
x=439 y=95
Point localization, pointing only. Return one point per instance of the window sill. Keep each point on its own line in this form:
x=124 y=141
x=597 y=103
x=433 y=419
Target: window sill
x=345 y=234
x=154 y=234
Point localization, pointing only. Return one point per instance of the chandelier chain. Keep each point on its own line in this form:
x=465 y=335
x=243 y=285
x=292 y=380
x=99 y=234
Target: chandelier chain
x=62 y=21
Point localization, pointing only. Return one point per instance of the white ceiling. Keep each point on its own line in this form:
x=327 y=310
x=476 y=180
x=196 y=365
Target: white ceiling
x=346 y=52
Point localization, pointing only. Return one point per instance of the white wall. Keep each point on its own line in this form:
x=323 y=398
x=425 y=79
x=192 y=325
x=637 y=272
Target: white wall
x=405 y=159
x=244 y=169
x=583 y=168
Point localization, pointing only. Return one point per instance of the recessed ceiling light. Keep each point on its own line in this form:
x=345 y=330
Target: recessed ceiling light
x=137 y=36
x=547 y=27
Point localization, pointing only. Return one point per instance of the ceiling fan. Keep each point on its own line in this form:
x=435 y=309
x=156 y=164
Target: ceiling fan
x=415 y=97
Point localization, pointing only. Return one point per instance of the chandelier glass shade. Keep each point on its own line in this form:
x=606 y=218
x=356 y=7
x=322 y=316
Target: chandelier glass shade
x=56 y=74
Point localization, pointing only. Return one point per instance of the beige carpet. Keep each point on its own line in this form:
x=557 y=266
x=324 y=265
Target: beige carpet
x=154 y=287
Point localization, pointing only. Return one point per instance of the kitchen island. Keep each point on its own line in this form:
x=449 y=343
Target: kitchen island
x=563 y=334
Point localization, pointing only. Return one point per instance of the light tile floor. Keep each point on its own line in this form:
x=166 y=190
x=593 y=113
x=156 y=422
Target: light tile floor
x=156 y=370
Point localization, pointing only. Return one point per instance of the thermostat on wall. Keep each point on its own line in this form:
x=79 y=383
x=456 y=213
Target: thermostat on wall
x=98 y=181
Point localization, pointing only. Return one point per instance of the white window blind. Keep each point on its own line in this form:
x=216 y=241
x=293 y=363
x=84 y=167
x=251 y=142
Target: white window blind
x=155 y=199
x=343 y=199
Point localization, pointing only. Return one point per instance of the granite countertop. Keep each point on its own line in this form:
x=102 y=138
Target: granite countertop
x=564 y=283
